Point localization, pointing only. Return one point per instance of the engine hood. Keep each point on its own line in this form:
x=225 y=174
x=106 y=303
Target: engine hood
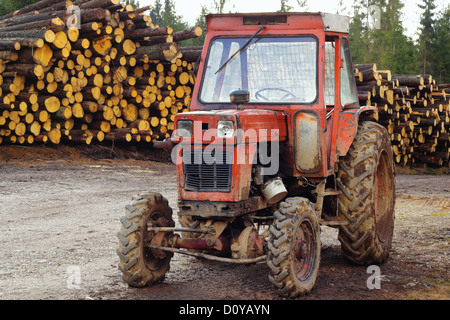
x=249 y=125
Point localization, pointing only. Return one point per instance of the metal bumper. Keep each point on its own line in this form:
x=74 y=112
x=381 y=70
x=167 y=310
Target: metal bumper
x=207 y=209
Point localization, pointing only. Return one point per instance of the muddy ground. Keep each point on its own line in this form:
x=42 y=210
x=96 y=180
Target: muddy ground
x=60 y=210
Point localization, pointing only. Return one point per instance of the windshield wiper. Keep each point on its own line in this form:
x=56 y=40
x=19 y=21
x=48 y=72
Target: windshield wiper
x=241 y=49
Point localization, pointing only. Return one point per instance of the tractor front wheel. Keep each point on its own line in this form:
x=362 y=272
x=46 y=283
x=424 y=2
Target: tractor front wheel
x=294 y=248
x=140 y=265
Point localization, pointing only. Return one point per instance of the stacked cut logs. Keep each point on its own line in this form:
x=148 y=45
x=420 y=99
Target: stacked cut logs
x=95 y=70
x=414 y=110
x=90 y=70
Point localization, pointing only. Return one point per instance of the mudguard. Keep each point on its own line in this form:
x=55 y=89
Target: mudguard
x=348 y=127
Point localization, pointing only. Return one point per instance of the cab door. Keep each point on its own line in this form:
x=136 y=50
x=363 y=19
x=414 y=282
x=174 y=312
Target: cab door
x=341 y=98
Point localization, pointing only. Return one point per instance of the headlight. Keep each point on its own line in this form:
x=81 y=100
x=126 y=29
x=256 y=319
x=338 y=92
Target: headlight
x=184 y=129
x=225 y=129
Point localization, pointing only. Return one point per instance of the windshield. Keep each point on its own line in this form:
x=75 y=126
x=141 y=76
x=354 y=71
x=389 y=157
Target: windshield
x=273 y=70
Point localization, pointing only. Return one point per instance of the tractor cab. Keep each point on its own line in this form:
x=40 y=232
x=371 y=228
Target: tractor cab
x=285 y=63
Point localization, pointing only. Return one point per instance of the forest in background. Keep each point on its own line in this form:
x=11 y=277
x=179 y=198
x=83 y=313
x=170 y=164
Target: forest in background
x=386 y=45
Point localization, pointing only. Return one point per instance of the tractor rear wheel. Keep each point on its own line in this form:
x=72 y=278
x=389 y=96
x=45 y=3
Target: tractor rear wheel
x=140 y=265
x=366 y=179
x=294 y=248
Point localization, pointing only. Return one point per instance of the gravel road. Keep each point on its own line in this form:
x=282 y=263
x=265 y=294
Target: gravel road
x=59 y=219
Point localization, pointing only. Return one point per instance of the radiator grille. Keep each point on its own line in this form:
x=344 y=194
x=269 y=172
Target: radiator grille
x=207 y=171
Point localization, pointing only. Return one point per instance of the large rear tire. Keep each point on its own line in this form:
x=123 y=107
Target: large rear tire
x=140 y=265
x=294 y=248
x=366 y=179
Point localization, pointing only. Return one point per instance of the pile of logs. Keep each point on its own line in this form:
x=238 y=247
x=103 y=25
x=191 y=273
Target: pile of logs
x=414 y=110
x=90 y=70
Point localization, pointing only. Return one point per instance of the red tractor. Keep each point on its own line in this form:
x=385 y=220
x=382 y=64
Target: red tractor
x=275 y=146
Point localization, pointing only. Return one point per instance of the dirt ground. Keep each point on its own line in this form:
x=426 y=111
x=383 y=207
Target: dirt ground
x=60 y=210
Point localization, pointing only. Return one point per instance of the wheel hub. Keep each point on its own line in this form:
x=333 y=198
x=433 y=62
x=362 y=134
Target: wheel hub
x=301 y=250
x=249 y=245
x=304 y=250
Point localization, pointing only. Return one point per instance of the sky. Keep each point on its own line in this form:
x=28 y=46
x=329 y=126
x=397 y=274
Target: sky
x=190 y=9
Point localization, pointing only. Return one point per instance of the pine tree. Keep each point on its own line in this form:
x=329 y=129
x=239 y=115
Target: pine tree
x=404 y=55
x=171 y=18
x=426 y=36
x=385 y=42
x=341 y=8
x=8 y=6
x=284 y=6
x=442 y=47
x=303 y=5
x=165 y=15
x=133 y=3
x=3 y=9
x=201 y=22
x=356 y=34
x=400 y=54
x=219 y=5
x=156 y=13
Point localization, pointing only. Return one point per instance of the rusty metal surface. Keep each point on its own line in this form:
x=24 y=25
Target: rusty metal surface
x=211 y=257
x=221 y=209
x=221 y=244
x=348 y=126
x=248 y=245
x=175 y=229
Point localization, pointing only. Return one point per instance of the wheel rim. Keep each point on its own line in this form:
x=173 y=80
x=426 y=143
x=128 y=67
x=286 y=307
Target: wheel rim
x=153 y=258
x=383 y=198
x=305 y=250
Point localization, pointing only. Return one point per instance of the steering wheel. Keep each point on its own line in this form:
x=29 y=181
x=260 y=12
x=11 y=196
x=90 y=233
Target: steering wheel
x=260 y=96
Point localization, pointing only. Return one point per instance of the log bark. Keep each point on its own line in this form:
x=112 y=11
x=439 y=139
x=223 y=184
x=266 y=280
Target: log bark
x=191 y=33
x=148 y=32
x=409 y=80
x=164 y=51
x=191 y=55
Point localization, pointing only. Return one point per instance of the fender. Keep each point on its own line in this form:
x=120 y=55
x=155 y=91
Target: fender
x=348 y=127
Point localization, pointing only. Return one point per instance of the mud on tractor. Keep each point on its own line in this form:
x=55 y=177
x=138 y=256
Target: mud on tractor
x=275 y=145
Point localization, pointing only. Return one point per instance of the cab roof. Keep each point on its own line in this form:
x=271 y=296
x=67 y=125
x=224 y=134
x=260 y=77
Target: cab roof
x=279 y=20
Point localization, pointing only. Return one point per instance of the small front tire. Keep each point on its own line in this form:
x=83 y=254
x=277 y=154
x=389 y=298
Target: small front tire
x=294 y=248
x=140 y=265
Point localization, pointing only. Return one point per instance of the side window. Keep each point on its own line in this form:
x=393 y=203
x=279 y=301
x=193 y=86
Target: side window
x=349 y=97
x=216 y=56
x=329 y=73
x=232 y=72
